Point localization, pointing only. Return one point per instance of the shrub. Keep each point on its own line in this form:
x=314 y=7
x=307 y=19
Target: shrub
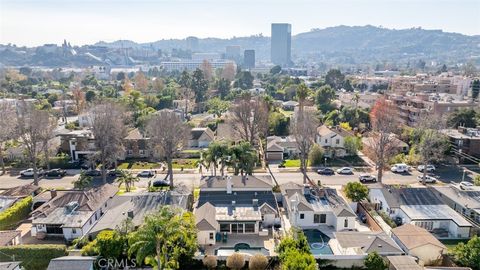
x=476 y=180
x=33 y=257
x=356 y=191
x=316 y=155
x=468 y=254
x=258 y=262
x=16 y=213
x=236 y=261
x=210 y=262
x=373 y=261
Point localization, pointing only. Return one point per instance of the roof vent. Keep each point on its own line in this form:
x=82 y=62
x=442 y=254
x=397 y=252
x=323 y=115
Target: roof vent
x=255 y=202
x=233 y=203
x=71 y=207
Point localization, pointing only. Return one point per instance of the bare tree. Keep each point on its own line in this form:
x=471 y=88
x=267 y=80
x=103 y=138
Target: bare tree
x=383 y=118
x=168 y=134
x=304 y=129
x=108 y=128
x=31 y=127
x=250 y=121
x=7 y=128
x=46 y=136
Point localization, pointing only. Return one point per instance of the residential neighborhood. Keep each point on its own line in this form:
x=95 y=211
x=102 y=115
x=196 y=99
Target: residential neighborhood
x=263 y=152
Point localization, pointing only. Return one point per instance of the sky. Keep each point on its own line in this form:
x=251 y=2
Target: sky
x=36 y=22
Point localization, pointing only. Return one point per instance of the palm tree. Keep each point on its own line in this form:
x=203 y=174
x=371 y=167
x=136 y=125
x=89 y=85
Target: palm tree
x=243 y=158
x=302 y=93
x=83 y=181
x=217 y=153
x=127 y=179
x=164 y=238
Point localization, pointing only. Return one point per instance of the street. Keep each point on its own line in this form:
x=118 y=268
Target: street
x=446 y=174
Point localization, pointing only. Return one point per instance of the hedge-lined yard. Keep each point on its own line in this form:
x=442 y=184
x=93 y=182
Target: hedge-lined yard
x=16 y=213
x=33 y=257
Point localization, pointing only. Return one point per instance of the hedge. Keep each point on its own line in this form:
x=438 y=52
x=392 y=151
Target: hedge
x=33 y=257
x=16 y=213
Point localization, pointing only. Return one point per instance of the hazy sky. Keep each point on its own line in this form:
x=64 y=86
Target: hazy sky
x=35 y=22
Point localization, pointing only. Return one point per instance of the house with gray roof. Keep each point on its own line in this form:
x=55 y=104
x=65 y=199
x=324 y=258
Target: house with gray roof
x=200 y=137
x=234 y=205
x=362 y=243
x=332 y=140
x=465 y=202
x=72 y=263
x=420 y=207
x=307 y=208
x=136 y=207
x=72 y=214
x=279 y=148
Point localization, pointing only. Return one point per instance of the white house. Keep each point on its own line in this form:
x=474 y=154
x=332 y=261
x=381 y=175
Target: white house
x=280 y=147
x=73 y=213
x=308 y=208
x=332 y=140
x=200 y=137
x=421 y=207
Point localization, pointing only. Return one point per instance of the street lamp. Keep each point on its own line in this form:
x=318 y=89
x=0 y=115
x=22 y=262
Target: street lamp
x=325 y=163
x=463 y=176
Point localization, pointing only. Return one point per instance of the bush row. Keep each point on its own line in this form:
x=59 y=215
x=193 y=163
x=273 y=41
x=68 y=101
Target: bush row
x=16 y=213
x=33 y=257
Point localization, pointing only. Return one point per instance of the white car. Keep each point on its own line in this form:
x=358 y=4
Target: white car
x=428 y=179
x=29 y=172
x=345 y=170
x=145 y=174
x=399 y=168
x=430 y=168
x=466 y=185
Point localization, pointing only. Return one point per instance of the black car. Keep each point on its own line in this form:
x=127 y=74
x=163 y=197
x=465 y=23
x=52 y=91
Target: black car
x=56 y=173
x=115 y=173
x=326 y=171
x=161 y=183
x=93 y=173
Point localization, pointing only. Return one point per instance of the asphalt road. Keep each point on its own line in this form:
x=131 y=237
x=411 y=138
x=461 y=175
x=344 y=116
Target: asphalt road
x=445 y=174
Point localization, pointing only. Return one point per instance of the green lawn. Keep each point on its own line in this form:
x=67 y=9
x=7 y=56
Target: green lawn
x=451 y=243
x=191 y=151
x=138 y=165
x=292 y=163
x=186 y=163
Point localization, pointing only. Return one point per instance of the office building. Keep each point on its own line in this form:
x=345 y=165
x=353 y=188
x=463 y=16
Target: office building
x=233 y=52
x=249 y=59
x=281 y=44
x=192 y=43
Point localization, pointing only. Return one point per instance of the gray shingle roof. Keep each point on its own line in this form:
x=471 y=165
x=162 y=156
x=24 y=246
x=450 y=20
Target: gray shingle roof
x=238 y=181
x=205 y=217
x=71 y=263
x=368 y=242
x=7 y=236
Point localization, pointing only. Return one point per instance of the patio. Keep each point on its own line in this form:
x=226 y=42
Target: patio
x=253 y=240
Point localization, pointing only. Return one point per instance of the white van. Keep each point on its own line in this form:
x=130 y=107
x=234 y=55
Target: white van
x=399 y=168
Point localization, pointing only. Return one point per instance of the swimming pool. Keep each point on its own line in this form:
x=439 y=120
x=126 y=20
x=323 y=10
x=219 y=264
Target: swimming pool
x=241 y=248
x=318 y=242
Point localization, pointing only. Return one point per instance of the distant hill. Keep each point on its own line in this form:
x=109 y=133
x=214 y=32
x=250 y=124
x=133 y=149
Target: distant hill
x=339 y=45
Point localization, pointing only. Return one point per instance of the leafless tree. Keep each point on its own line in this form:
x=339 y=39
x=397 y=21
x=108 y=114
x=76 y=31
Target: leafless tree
x=108 y=128
x=250 y=121
x=384 y=121
x=304 y=128
x=31 y=126
x=7 y=127
x=168 y=134
x=46 y=136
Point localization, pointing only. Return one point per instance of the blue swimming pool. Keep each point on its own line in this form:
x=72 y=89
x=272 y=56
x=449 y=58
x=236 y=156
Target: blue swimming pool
x=241 y=248
x=318 y=242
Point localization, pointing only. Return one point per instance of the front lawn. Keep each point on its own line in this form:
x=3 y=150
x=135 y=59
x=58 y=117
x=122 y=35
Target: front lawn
x=186 y=163
x=292 y=163
x=138 y=165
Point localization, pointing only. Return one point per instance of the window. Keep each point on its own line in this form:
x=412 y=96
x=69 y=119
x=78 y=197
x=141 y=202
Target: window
x=302 y=216
x=129 y=152
x=250 y=228
x=95 y=216
x=74 y=230
x=211 y=236
x=224 y=227
x=337 y=141
x=319 y=218
x=142 y=152
x=326 y=141
x=345 y=223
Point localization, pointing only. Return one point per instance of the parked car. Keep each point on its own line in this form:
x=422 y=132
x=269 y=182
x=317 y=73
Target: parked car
x=93 y=173
x=399 y=168
x=56 y=173
x=362 y=217
x=29 y=172
x=428 y=179
x=145 y=174
x=115 y=173
x=430 y=168
x=466 y=185
x=326 y=171
x=364 y=178
x=161 y=183
x=345 y=170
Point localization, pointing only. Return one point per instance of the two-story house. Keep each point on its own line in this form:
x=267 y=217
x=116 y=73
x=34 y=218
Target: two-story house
x=332 y=140
x=77 y=143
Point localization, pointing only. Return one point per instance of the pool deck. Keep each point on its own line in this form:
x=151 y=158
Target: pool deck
x=253 y=240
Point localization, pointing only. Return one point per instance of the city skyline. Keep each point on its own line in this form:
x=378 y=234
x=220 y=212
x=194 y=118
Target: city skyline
x=149 y=21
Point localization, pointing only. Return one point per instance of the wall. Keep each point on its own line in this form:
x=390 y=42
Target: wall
x=371 y=222
x=203 y=238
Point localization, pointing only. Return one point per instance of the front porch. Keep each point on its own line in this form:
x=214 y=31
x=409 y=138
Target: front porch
x=256 y=243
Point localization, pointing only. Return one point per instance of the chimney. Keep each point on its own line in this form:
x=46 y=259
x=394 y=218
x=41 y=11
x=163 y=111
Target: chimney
x=229 y=185
x=233 y=203
x=53 y=193
x=255 y=202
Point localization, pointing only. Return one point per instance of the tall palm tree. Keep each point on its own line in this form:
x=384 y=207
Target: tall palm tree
x=302 y=93
x=164 y=238
x=127 y=179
